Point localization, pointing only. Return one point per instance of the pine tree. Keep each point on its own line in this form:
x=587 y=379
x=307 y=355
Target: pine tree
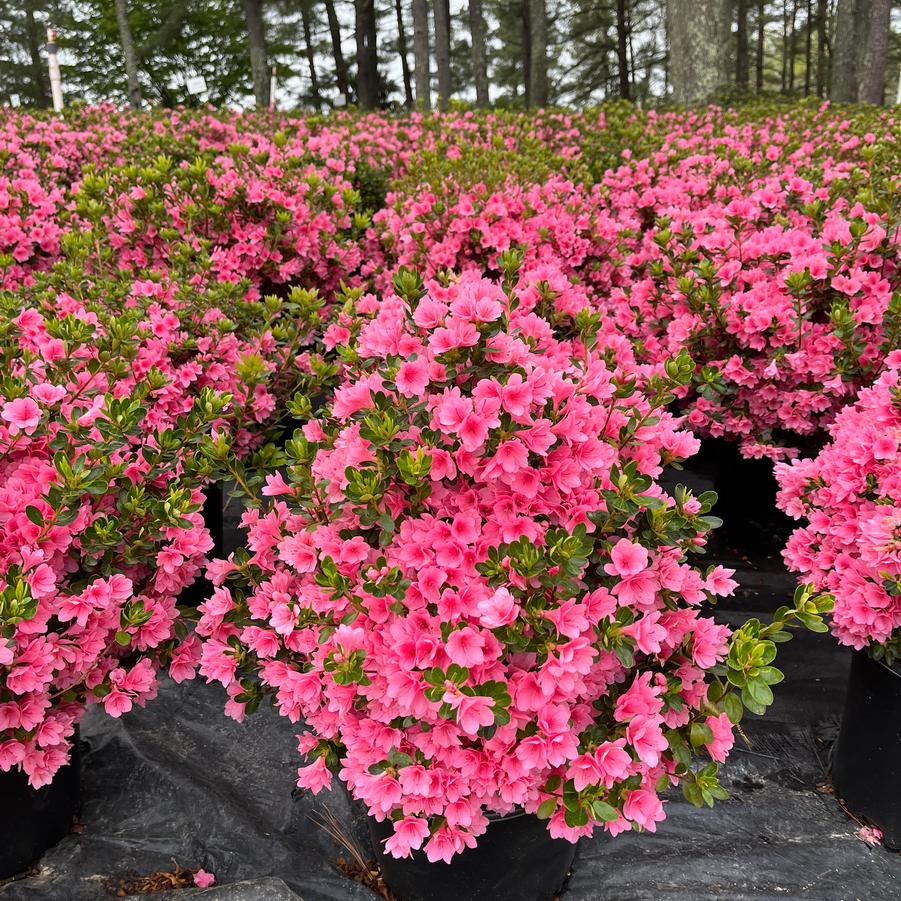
x=697 y=38
x=366 y=30
x=256 y=45
x=477 y=29
x=871 y=87
x=441 y=19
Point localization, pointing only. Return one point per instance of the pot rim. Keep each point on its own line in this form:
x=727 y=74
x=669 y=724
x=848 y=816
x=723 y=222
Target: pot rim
x=504 y=817
x=896 y=672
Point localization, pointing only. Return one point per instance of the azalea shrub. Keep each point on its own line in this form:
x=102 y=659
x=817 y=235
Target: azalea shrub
x=850 y=495
x=769 y=251
x=472 y=588
x=555 y=221
x=199 y=330
x=266 y=215
x=30 y=229
x=789 y=312
x=99 y=524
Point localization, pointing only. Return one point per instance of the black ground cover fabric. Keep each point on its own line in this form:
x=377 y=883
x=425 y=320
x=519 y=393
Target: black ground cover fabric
x=180 y=783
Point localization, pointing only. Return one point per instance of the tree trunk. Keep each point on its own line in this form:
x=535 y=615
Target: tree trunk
x=785 y=44
x=808 y=49
x=861 y=30
x=792 y=47
x=848 y=49
x=367 y=54
x=256 y=43
x=402 y=52
x=441 y=16
x=315 y=95
x=761 y=38
x=727 y=17
x=128 y=54
x=38 y=77
x=844 y=80
x=872 y=73
x=421 y=57
x=622 y=50
x=633 y=69
x=741 y=45
x=538 y=55
x=477 y=30
x=526 y=37
x=697 y=49
x=822 y=61
x=667 y=56
x=341 y=80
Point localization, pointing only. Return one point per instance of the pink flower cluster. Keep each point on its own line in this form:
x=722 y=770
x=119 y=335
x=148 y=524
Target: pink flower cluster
x=99 y=531
x=468 y=582
x=783 y=291
x=106 y=413
x=554 y=222
x=29 y=227
x=850 y=495
x=456 y=587
x=788 y=310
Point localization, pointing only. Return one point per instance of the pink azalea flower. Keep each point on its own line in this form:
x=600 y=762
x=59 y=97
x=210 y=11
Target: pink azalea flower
x=627 y=559
x=722 y=742
x=499 y=610
x=202 y=879
x=22 y=415
x=409 y=834
x=644 y=808
x=315 y=777
x=412 y=377
x=466 y=647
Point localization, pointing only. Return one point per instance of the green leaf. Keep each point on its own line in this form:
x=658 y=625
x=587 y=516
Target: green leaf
x=34 y=515
x=575 y=817
x=701 y=734
x=733 y=708
x=546 y=809
x=760 y=692
x=692 y=792
x=625 y=655
x=604 y=812
x=397 y=758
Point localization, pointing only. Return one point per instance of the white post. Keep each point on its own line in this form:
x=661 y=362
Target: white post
x=272 y=87
x=56 y=84
x=898 y=95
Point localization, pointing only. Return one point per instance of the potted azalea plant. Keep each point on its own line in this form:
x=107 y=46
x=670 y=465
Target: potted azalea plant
x=100 y=526
x=199 y=332
x=850 y=495
x=789 y=305
x=472 y=589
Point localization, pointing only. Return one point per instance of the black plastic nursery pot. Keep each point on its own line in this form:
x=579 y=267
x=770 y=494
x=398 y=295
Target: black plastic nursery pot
x=866 y=772
x=34 y=819
x=213 y=508
x=515 y=860
x=287 y=427
x=747 y=499
x=201 y=589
